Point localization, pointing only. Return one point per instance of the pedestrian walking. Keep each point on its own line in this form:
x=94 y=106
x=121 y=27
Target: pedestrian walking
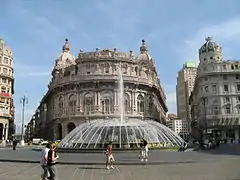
x=144 y=150
x=15 y=142
x=110 y=158
x=44 y=156
x=52 y=158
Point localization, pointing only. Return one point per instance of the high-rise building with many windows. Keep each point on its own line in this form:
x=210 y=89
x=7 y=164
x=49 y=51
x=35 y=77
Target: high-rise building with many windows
x=185 y=84
x=6 y=91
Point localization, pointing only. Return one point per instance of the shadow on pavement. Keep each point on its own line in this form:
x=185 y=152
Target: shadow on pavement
x=225 y=149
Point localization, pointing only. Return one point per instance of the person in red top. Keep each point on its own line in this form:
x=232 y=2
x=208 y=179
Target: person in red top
x=110 y=158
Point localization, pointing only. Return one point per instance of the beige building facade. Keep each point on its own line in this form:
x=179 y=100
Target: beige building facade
x=6 y=91
x=86 y=88
x=185 y=84
x=179 y=126
x=215 y=100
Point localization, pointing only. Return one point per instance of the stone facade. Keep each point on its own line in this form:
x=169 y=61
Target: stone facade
x=87 y=88
x=215 y=100
x=6 y=92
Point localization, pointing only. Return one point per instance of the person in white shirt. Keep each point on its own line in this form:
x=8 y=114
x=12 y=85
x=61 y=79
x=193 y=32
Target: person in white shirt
x=44 y=161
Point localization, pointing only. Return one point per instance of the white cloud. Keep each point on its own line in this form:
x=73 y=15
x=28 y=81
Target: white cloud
x=222 y=33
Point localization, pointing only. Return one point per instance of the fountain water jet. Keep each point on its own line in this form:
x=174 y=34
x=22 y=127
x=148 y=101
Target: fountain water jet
x=121 y=94
x=121 y=102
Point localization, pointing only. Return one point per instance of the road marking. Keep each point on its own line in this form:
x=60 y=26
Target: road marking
x=120 y=174
x=74 y=173
x=83 y=172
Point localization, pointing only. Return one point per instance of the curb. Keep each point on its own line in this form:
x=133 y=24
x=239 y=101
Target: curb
x=103 y=163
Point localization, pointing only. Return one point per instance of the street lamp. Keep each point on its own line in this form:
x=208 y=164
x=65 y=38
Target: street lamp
x=23 y=101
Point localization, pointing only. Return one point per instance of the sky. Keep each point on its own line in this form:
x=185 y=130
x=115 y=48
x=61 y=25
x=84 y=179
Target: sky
x=173 y=30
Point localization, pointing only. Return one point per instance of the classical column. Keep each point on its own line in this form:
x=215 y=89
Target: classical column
x=96 y=102
x=134 y=109
x=81 y=101
x=77 y=102
x=99 y=100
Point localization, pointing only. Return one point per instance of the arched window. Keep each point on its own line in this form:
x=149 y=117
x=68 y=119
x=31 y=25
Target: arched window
x=106 y=105
x=151 y=105
x=72 y=104
x=227 y=109
x=127 y=104
x=106 y=67
x=88 y=104
x=70 y=126
x=124 y=68
x=140 y=104
x=60 y=105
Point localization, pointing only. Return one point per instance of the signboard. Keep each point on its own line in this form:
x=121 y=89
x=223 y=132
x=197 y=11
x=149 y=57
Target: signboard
x=5 y=94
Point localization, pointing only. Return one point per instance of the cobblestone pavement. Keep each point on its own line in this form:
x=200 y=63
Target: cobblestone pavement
x=221 y=169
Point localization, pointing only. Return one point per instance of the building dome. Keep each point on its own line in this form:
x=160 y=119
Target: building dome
x=210 y=46
x=66 y=58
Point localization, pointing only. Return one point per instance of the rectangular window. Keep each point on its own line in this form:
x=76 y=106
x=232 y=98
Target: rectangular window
x=225 y=88
x=2 y=100
x=225 y=77
x=237 y=76
x=227 y=110
x=5 y=70
x=3 y=90
x=4 y=80
x=238 y=88
x=206 y=88
x=5 y=60
x=214 y=88
x=227 y=99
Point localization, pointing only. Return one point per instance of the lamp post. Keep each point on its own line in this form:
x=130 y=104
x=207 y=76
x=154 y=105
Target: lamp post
x=23 y=101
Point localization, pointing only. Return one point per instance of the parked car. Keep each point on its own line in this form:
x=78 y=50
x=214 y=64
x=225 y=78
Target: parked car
x=43 y=143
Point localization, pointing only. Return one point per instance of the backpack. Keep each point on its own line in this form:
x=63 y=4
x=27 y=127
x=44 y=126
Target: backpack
x=50 y=162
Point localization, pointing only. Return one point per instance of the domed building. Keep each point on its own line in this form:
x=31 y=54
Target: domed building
x=6 y=91
x=215 y=100
x=86 y=88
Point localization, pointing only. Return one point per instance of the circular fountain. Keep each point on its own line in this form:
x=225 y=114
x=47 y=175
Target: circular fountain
x=124 y=135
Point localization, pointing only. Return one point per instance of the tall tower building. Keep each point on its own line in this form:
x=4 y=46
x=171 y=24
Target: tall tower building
x=6 y=91
x=185 y=84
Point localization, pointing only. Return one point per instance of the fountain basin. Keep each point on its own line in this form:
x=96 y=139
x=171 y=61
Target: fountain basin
x=125 y=135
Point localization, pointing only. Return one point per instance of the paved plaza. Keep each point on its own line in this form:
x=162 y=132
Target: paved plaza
x=162 y=165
